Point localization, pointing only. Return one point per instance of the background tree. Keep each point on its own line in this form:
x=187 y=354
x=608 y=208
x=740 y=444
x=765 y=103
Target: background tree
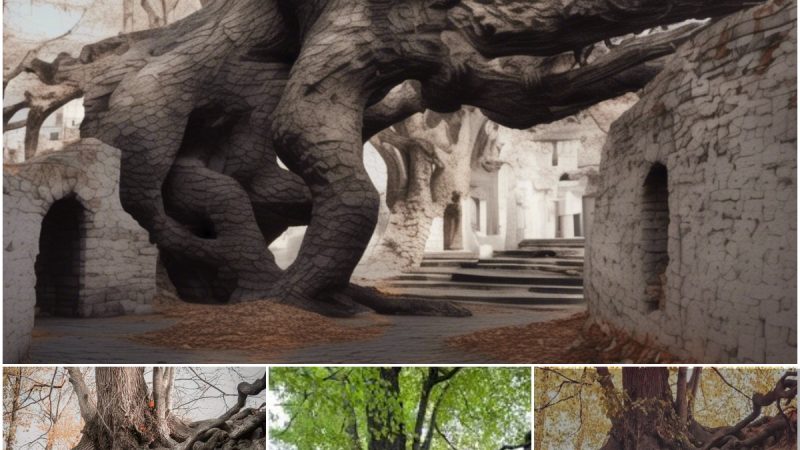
x=394 y=408
x=202 y=108
x=131 y=408
x=659 y=407
x=89 y=20
x=429 y=157
x=36 y=403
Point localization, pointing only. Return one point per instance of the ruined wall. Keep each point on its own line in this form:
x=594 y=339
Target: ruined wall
x=722 y=119
x=117 y=265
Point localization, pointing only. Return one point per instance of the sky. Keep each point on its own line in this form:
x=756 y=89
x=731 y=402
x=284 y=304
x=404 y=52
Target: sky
x=40 y=20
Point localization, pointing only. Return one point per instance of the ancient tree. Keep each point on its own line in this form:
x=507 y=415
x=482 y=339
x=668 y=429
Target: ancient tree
x=202 y=108
x=123 y=412
x=394 y=408
x=428 y=158
x=658 y=407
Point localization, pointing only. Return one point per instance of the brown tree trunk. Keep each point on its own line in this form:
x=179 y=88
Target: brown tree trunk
x=648 y=418
x=123 y=407
x=16 y=388
x=125 y=416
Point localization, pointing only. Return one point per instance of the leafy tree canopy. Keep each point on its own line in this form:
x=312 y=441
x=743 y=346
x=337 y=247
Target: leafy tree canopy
x=327 y=408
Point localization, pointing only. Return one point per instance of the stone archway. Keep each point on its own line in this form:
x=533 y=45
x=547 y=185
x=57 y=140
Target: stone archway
x=58 y=264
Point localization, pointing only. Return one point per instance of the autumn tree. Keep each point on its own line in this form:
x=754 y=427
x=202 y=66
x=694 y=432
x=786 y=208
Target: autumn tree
x=393 y=408
x=658 y=407
x=202 y=108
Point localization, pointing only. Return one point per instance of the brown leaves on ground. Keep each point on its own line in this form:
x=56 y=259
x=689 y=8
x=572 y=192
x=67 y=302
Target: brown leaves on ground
x=260 y=328
x=572 y=340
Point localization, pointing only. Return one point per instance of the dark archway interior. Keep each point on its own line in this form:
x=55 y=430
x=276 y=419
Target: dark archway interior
x=655 y=228
x=452 y=226
x=58 y=265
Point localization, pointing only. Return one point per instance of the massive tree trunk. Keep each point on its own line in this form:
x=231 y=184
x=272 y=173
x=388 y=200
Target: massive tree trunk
x=649 y=417
x=124 y=415
x=201 y=108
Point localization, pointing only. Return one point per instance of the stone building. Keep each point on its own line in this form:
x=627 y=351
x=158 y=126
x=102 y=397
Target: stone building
x=59 y=129
x=69 y=248
x=533 y=186
x=693 y=243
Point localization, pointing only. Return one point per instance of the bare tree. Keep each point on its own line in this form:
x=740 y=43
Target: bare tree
x=125 y=414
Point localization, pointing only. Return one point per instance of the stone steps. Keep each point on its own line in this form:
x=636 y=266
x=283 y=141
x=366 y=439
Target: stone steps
x=504 y=277
x=557 y=242
x=504 y=297
x=541 y=272
x=482 y=287
x=550 y=252
x=506 y=264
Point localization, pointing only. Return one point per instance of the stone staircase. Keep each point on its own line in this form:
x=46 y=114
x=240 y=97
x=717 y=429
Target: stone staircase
x=541 y=272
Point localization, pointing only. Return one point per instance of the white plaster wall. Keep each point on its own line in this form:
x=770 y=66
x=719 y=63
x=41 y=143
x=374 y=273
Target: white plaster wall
x=722 y=118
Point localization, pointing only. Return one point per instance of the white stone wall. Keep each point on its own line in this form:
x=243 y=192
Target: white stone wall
x=722 y=119
x=118 y=273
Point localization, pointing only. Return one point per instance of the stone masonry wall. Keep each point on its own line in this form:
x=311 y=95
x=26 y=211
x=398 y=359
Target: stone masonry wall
x=722 y=119
x=117 y=273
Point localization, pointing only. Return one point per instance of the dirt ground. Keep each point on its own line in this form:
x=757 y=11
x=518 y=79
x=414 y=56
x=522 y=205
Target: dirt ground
x=259 y=327
x=567 y=341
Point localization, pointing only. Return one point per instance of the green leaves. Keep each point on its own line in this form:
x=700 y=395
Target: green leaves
x=328 y=408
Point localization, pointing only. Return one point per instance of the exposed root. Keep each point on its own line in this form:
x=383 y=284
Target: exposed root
x=404 y=305
x=355 y=299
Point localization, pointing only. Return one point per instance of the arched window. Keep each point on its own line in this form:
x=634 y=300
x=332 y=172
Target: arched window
x=563 y=177
x=655 y=226
x=58 y=265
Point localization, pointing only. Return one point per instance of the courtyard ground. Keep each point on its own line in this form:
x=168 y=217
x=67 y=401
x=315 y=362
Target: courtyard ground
x=266 y=332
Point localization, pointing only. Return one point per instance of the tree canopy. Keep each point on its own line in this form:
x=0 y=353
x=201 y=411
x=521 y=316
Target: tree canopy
x=434 y=408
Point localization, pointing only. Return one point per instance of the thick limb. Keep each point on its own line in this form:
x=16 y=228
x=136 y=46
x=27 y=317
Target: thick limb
x=219 y=210
x=280 y=199
x=326 y=153
x=147 y=121
x=514 y=27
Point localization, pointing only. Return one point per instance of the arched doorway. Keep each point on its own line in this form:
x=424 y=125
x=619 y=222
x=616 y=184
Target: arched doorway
x=655 y=234
x=452 y=224
x=58 y=265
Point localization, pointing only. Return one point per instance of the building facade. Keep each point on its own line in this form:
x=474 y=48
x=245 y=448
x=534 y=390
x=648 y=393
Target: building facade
x=693 y=244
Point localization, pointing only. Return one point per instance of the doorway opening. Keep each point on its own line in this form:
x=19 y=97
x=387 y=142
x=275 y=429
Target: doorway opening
x=655 y=235
x=58 y=264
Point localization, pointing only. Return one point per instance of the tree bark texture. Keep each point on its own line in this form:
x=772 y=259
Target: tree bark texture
x=429 y=158
x=124 y=415
x=650 y=418
x=202 y=108
x=15 y=386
